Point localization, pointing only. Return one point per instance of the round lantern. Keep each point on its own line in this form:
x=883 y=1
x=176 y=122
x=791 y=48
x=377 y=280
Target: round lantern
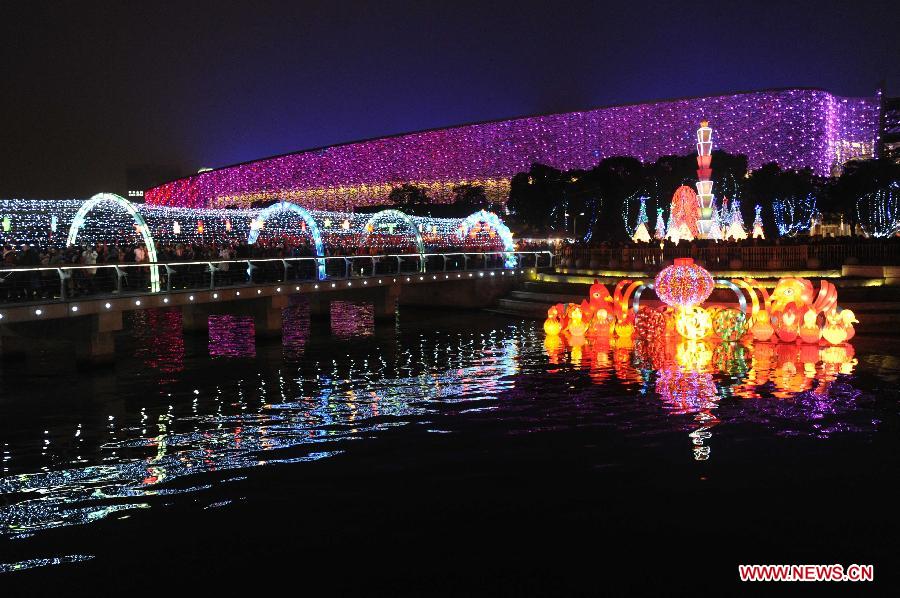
x=729 y=324
x=649 y=324
x=684 y=284
x=693 y=322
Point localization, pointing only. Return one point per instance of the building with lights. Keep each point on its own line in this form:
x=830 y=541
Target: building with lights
x=797 y=128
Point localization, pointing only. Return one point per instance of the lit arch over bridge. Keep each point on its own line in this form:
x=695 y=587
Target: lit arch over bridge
x=494 y=222
x=79 y=220
x=312 y=227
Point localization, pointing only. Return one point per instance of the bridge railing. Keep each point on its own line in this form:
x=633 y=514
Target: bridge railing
x=63 y=283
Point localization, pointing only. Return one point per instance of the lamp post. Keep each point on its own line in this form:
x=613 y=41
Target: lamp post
x=575 y=223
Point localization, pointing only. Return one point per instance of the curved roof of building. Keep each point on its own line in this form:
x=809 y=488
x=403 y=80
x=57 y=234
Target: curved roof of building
x=796 y=127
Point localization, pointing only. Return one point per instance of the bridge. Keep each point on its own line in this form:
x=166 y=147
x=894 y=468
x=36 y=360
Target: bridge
x=85 y=304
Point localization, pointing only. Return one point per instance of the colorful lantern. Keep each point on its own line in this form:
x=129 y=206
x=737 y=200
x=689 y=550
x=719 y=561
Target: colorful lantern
x=692 y=322
x=649 y=324
x=552 y=325
x=809 y=329
x=576 y=326
x=762 y=328
x=729 y=324
x=684 y=284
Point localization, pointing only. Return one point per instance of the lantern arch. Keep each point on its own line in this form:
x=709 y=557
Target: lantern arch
x=393 y=216
x=79 y=220
x=258 y=223
x=492 y=220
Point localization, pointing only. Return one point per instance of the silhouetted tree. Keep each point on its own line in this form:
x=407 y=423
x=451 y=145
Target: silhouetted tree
x=470 y=198
x=535 y=196
x=769 y=184
x=409 y=196
x=859 y=178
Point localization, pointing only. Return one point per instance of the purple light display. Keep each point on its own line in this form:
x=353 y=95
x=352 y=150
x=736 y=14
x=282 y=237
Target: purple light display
x=797 y=128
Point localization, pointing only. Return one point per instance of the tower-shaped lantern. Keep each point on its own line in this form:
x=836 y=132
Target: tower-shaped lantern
x=704 y=182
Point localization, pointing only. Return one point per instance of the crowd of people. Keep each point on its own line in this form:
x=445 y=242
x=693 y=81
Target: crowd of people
x=94 y=278
x=31 y=256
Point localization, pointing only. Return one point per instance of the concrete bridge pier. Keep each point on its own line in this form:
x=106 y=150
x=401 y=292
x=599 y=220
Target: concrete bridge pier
x=267 y=315
x=319 y=307
x=385 y=303
x=195 y=319
x=93 y=336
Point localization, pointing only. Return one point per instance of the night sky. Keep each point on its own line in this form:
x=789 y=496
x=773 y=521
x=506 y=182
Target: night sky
x=90 y=88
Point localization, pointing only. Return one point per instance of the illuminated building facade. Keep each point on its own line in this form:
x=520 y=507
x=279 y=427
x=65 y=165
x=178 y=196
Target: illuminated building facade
x=797 y=128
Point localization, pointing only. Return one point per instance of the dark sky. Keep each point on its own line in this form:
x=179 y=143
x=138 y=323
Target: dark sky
x=89 y=88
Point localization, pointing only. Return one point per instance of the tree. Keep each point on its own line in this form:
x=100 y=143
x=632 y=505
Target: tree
x=469 y=199
x=660 y=232
x=879 y=212
x=408 y=196
x=783 y=192
x=859 y=178
x=534 y=195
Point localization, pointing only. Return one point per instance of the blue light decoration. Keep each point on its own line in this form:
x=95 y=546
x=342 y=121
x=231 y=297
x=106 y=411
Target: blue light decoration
x=119 y=203
x=493 y=221
x=794 y=214
x=878 y=213
x=258 y=223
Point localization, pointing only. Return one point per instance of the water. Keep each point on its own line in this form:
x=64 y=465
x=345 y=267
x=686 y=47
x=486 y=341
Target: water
x=451 y=438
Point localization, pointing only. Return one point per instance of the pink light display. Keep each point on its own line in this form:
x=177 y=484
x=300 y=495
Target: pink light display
x=797 y=128
x=684 y=284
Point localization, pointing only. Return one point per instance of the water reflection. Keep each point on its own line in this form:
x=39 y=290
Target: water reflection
x=231 y=336
x=71 y=462
x=351 y=319
x=160 y=342
x=295 y=329
x=311 y=414
x=691 y=377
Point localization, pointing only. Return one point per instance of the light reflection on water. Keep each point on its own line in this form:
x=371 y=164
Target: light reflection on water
x=691 y=378
x=238 y=411
x=231 y=336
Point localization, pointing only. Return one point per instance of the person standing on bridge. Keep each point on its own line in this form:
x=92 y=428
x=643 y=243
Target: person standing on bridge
x=89 y=258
